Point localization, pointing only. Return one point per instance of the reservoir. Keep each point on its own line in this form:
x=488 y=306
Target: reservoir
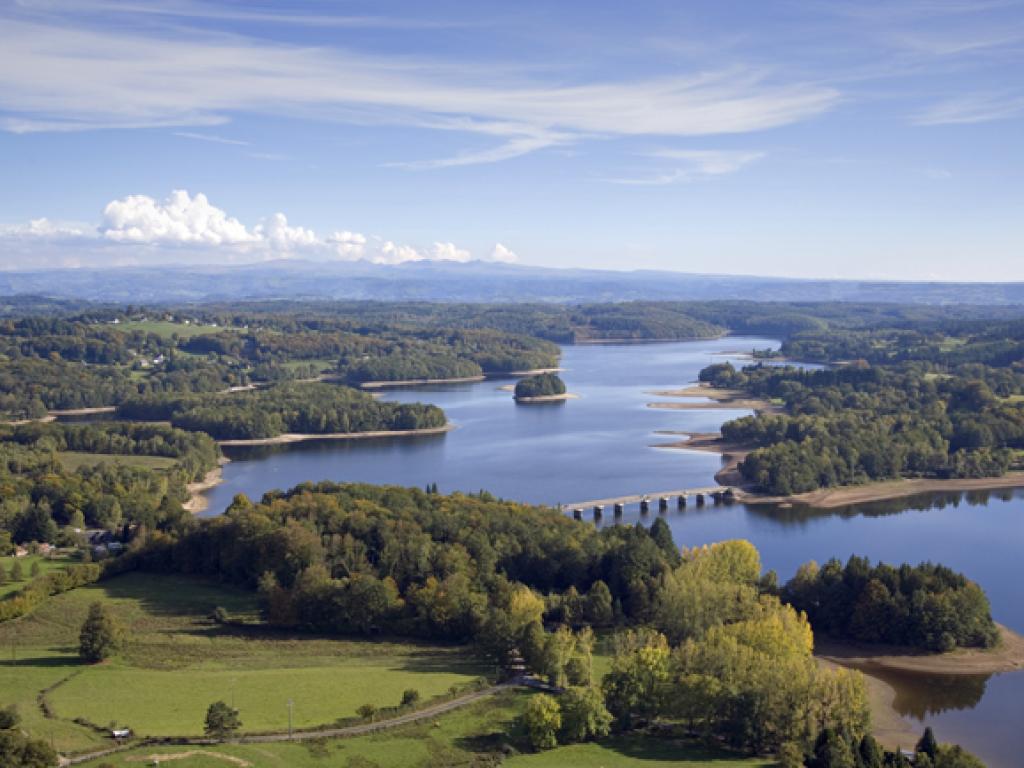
x=604 y=444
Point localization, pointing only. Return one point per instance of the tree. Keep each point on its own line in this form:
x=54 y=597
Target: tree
x=871 y=753
x=19 y=751
x=597 y=608
x=928 y=743
x=17 y=572
x=584 y=715
x=367 y=711
x=34 y=570
x=221 y=720
x=9 y=718
x=634 y=686
x=409 y=697
x=542 y=719
x=662 y=536
x=832 y=751
x=101 y=635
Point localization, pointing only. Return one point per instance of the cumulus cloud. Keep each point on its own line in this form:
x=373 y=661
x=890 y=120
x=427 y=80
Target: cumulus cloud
x=282 y=237
x=449 y=252
x=188 y=227
x=44 y=228
x=348 y=245
x=178 y=219
x=503 y=255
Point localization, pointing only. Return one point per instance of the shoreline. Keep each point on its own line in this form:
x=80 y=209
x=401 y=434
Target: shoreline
x=891 y=728
x=197 y=501
x=419 y=382
x=1008 y=656
x=530 y=372
x=293 y=437
x=546 y=398
x=834 y=497
x=719 y=399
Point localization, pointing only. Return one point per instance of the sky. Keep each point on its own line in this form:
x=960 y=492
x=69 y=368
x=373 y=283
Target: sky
x=803 y=138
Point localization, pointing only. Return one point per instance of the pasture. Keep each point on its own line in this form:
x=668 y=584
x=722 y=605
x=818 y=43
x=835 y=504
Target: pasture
x=178 y=661
x=74 y=460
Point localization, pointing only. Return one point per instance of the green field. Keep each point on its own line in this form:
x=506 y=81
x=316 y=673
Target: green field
x=167 y=329
x=45 y=565
x=635 y=752
x=179 y=661
x=73 y=460
x=475 y=736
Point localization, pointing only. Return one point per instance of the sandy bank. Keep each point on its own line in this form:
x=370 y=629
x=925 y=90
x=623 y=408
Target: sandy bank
x=1006 y=657
x=418 y=382
x=829 y=498
x=197 y=501
x=546 y=398
x=889 y=726
x=291 y=437
x=531 y=372
x=719 y=399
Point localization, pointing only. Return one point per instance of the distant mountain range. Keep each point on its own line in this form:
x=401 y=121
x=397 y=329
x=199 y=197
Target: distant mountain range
x=475 y=281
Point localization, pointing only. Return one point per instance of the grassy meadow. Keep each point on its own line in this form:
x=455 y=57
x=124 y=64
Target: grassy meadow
x=178 y=661
x=74 y=460
x=45 y=566
x=167 y=329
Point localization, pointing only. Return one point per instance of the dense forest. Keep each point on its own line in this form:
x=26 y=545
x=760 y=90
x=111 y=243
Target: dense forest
x=861 y=422
x=708 y=643
x=284 y=408
x=43 y=500
x=927 y=606
x=541 y=385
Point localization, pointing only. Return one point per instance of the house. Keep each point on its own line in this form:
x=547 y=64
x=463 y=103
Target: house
x=21 y=552
x=120 y=733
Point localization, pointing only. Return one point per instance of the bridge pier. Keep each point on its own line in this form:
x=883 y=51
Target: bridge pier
x=645 y=506
x=598 y=511
x=619 y=509
x=681 y=501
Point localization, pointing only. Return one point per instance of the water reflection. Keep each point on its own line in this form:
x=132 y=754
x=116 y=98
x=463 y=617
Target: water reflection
x=921 y=695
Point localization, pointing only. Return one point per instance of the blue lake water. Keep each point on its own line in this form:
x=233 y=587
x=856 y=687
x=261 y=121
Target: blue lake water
x=602 y=445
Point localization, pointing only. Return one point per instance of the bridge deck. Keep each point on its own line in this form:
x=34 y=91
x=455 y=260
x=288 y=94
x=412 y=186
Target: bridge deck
x=651 y=497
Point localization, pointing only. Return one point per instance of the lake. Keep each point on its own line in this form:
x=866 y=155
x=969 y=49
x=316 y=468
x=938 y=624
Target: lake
x=603 y=445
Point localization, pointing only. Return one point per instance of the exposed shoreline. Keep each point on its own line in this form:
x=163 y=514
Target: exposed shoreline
x=530 y=372
x=890 y=727
x=419 y=382
x=546 y=398
x=197 y=501
x=719 y=399
x=292 y=437
x=1008 y=656
x=839 y=496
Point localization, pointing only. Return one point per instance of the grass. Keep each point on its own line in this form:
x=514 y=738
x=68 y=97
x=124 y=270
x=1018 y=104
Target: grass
x=45 y=566
x=166 y=329
x=475 y=736
x=74 y=460
x=178 y=662
x=636 y=752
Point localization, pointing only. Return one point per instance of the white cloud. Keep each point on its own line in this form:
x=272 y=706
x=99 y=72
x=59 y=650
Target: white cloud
x=976 y=108
x=503 y=254
x=282 y=237
x=186 y=228
x=348 y=245
x=390 y=253
x=693 y=164
x=179 y=219
x=59 y=77
x=449 y=252
x=46 y=229
x=211 y=138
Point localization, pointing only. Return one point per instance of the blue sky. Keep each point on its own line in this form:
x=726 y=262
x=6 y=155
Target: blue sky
x=816 y=139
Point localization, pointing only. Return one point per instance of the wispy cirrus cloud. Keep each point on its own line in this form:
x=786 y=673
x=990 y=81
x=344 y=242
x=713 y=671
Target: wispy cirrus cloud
x=971 y=109
x=693 y=164
x=211 y=138
x=57 y=77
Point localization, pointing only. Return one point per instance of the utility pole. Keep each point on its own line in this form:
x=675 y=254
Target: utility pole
x=290 y=704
